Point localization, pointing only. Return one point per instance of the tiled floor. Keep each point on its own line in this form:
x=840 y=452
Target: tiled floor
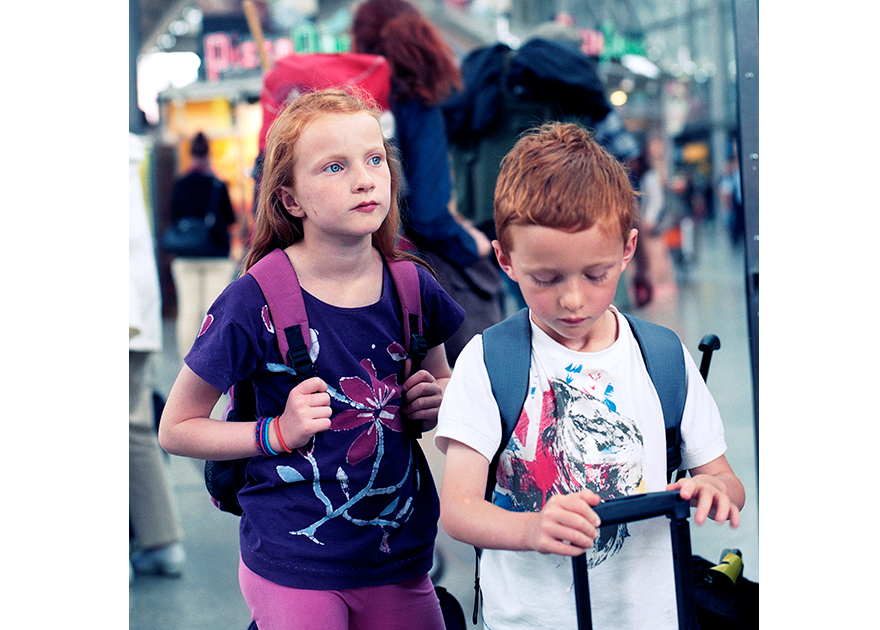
x=711 y=299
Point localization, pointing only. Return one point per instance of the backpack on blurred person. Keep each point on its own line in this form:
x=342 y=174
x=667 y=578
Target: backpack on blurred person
x=507 y=92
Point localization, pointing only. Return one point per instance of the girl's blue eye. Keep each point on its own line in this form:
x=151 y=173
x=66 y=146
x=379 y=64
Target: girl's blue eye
x=375 y=160
x=334 y=168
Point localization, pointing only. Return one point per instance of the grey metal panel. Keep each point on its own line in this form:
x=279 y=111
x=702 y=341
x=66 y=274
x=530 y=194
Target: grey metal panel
x=746 y=30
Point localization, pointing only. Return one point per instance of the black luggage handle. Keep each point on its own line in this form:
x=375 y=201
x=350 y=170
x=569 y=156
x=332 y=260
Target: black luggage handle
x=639 y=507
x=636 y=508
x=708 y=345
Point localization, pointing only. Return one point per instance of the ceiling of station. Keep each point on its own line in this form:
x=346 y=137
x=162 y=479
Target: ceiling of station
x=157 y=18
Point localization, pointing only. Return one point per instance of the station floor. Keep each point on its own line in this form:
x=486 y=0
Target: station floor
x=710 y=298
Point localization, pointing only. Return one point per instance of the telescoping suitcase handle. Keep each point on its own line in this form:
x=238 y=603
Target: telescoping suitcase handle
x=636 y=508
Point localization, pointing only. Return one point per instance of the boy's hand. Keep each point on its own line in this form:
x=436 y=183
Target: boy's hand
x=306 y=413
x=708 y=494
x=566 y=525
x=422 y=395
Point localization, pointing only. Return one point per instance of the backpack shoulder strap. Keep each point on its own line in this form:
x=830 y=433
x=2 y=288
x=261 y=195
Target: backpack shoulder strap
x=280 y=287
x=664 y=360
x=507 y=353
x=405 y=277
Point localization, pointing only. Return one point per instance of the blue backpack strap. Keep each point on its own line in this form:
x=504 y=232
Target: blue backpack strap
x=507 y=353
x=664 y=359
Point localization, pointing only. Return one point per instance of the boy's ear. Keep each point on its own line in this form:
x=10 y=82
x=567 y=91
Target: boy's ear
x=503 y=260
x=629 y=248
x=288 y=200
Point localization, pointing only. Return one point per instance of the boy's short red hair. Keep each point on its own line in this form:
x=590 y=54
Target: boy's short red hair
x=557 y=176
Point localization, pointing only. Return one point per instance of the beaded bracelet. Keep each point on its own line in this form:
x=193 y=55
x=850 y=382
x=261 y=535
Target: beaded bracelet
x=261 y=437
x=284 y=446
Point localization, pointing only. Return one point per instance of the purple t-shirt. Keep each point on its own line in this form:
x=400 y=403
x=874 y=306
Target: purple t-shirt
x=357 y=506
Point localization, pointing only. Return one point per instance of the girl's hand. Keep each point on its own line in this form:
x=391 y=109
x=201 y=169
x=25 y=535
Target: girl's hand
x=422 y=395
x=566 y=525
x=306 y=413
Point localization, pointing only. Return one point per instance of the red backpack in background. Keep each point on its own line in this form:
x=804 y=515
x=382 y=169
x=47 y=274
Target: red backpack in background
x=301 y=73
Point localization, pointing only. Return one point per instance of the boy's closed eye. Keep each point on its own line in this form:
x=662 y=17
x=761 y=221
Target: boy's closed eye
x=546 y=281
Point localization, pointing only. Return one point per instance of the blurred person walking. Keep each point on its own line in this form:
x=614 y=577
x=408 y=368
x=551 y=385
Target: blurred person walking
x=730 y=193
x=656 y=217
x=424 y=73
x=200 y=276
x=155 y=526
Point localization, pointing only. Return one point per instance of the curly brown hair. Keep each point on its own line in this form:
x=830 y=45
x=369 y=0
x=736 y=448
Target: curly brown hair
x=423 y=66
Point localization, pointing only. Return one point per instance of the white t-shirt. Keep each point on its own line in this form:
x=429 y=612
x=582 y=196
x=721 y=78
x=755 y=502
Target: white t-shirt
x=591 y=420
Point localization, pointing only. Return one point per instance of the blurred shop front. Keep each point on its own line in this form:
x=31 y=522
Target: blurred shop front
x=228 y=113
x=224 y=104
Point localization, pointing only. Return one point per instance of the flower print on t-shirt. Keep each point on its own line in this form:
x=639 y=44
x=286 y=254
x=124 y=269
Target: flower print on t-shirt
x=372 y=408
x=370 y=403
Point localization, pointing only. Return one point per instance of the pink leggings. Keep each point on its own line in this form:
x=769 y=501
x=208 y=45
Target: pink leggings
x=409 y=604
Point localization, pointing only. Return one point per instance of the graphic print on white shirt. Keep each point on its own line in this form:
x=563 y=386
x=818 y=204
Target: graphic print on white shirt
x=579 y=441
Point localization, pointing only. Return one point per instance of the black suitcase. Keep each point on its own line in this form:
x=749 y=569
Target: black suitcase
x=637 y=508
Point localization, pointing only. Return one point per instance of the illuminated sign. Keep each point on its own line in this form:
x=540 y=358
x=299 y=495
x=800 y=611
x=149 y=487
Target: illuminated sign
x=607 y=43
x=225 y=52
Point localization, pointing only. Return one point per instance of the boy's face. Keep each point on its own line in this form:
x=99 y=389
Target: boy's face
x=568 y=279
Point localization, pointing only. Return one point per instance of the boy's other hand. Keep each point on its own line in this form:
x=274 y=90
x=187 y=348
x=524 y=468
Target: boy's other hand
x=714 y=490
x=708 y=494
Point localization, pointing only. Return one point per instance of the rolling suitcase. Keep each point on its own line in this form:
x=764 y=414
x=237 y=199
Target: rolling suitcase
x=643 y=506
x=636 y=508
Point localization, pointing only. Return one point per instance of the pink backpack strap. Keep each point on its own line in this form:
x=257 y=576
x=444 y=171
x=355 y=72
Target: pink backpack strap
x=405 y=276
x=280 y=287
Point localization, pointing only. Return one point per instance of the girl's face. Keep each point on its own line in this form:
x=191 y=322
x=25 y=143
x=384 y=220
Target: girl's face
x=342 y=180
x=568 y=279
